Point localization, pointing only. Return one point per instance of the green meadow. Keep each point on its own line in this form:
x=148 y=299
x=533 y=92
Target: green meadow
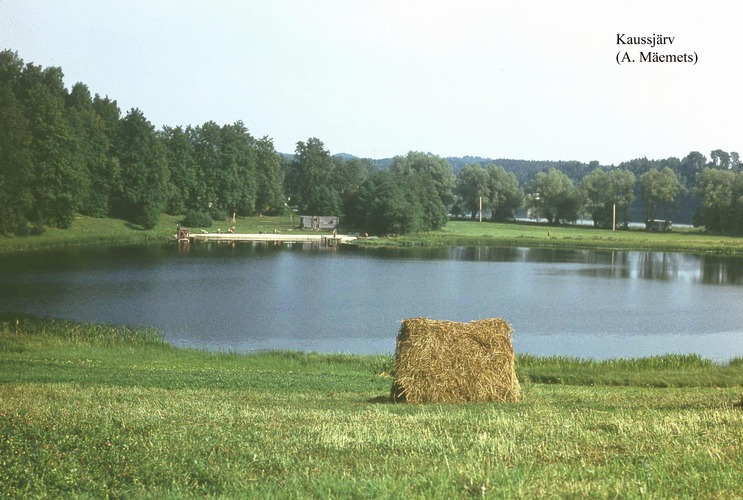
x=97 y=411
x=472 y=233
x=89 y=230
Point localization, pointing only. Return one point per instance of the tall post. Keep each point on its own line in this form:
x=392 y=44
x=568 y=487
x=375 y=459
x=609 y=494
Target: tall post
x=480 y=208
x=614 y=217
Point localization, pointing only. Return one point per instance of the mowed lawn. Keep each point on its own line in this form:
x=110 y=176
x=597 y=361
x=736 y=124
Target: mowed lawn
x=98 y=411
x=463 y=232
x=88 y=230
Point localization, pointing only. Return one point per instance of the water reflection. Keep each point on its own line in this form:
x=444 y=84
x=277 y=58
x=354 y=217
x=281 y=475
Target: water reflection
x=659 y=265
x=721 y=271
x=248 y=296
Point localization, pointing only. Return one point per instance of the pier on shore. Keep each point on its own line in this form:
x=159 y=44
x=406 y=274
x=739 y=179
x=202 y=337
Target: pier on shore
x=184 y=234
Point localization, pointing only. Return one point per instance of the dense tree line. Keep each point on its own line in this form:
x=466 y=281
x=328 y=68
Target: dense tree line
x=653 y=189
x=64 y=152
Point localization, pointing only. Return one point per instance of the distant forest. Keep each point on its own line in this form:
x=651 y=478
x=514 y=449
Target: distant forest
x=65 y=152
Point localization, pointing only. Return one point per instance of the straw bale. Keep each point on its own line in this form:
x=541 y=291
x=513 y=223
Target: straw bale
x=446 y=361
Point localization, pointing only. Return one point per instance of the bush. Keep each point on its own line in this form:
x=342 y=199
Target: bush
x=219 y=214
x=194 y=218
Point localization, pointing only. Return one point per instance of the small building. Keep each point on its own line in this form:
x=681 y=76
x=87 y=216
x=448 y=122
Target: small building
x=658 y=225
x=318 y=222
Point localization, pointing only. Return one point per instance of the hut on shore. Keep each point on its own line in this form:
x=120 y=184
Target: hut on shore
x=318 y=222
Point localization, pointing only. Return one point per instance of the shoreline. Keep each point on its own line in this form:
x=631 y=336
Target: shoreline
x=87 y=231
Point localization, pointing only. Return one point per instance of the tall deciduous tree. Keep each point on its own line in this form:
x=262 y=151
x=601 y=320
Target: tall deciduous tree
x=720 y=159
x=59 y=179
x=393 y=202
x=269 y=178
x=183 y=186
x=504 y=194
x=141 y=194
x=16 y=175
x=720 y=199
x=556 y=198
x=237 y=184
x=206 y=141
x=660 y=189
x=92 y=150
x=437 y=168
x=606 y=190
x=311 y=179
x=472 y=186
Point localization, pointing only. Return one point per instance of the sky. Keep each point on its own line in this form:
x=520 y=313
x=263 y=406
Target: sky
x=532 y=80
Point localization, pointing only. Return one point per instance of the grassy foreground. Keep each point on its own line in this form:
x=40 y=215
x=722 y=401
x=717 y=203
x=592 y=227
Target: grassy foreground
x=96 y=411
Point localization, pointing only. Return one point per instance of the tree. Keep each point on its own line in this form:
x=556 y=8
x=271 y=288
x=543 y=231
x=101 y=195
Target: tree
x=310 y=179
x=393 y=202
x=717 y=188
x=472 y=186
x=427 y=196
x=237 y=182
x=226 y=159
x=690 y=166
x=16 y=175
x=350 y=174
x=383 y=206
x=720 y=159
x=183 y=186
x=142 y=192
x=735 y=161
x=206 y=141
x=92 y=151
x=269 y=178
x=605 y=190
x=436 y=167
x=556 y=198
x=504 y=194
x=59 y=179
x=660 y=188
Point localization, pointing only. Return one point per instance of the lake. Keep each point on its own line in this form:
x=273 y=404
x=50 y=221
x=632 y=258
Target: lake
x=245 y=297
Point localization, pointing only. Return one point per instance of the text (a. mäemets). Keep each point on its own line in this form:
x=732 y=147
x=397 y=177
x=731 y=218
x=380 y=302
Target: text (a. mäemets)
x=626 y=55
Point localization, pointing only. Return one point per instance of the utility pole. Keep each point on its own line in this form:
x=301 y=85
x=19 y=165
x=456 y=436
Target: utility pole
x=614 y=217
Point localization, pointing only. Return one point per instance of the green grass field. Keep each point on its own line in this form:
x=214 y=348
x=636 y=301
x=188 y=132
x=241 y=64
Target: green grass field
x=87 y=231
x=97 y=411
x=471 y=233
x=92 y=231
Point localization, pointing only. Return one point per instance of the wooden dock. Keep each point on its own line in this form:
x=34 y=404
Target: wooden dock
x=325 y=240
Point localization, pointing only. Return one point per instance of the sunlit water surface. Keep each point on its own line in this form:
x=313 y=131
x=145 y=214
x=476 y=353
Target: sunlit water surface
x=248 y=297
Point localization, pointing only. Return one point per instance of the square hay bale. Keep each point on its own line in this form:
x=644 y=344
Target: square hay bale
x=445 y=361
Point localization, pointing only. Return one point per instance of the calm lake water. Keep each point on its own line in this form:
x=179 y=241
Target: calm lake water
x=247 y=297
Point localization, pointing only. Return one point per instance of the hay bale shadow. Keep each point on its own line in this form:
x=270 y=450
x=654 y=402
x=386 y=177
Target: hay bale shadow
x=381 y=400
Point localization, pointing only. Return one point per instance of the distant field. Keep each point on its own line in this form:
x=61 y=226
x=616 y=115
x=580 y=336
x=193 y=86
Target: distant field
x=87 y=230
x=569 y=236
x=95 y=411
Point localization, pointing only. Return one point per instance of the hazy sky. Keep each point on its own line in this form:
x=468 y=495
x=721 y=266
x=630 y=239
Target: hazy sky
x=519 y=79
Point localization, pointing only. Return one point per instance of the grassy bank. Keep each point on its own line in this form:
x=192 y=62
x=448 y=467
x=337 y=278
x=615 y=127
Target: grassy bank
x=92 y=231
x=89 y=410
x=582 y=237
x=88 y=231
